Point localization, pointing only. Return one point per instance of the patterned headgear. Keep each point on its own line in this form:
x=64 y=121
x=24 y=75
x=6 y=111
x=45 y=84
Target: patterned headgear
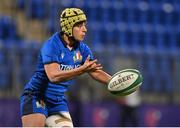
x=69 y=17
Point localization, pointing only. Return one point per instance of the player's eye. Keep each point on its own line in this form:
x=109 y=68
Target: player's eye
x=79 y=25
x=82 y=24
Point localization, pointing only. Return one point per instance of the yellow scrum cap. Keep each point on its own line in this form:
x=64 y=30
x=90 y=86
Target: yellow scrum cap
x=69 y=17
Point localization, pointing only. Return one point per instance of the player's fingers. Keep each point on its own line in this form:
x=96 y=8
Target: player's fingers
x=88 y=58
x=97 y=66
x=93 y=62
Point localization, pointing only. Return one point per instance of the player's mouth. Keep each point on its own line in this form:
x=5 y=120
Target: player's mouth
x=83 y=36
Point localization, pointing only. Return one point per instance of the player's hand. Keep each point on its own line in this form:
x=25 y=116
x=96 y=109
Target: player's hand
x=91 y=65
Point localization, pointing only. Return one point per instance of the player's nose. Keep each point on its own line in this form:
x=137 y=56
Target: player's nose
x=84 y=29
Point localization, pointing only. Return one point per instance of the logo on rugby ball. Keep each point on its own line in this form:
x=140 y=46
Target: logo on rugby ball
x=125 y=81
x=122 y=81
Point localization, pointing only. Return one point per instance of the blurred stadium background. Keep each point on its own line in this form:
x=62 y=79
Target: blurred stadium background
x=141 y=34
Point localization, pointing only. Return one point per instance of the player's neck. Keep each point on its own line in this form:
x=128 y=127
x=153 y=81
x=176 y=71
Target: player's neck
x=69 y=41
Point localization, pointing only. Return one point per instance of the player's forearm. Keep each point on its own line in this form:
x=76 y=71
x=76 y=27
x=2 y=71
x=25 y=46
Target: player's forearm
x=62 y=75
x=100 y=76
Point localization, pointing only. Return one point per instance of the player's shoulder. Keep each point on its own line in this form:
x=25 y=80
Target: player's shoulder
x=52 y=41
x=83 y=45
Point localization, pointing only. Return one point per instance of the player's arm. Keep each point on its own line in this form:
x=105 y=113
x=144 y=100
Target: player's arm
x=56 y=75
x=100 y=76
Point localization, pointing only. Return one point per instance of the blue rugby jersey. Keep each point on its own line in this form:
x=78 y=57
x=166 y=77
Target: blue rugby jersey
x=55 y=50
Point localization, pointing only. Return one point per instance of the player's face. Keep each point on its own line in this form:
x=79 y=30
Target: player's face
x=79 y=31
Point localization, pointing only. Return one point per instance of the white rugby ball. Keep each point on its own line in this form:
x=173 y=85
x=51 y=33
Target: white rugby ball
x=125 y=82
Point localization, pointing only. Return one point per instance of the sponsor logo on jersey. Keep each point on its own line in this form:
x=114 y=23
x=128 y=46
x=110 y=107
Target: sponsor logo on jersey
x=77 y=56
x=69 y=67
x=62 y=55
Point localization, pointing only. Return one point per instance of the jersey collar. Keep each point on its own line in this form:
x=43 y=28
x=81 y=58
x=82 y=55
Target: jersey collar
x=75 y=46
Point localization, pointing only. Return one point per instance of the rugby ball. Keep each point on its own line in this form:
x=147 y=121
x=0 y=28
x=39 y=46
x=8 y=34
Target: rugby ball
x=125 y=82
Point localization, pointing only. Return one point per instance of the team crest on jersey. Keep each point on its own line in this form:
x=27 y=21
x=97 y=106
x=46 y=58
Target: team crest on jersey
x=77 y=56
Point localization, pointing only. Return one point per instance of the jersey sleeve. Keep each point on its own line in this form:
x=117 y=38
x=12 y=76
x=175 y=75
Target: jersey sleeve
x=49 y=53
x=87 y=51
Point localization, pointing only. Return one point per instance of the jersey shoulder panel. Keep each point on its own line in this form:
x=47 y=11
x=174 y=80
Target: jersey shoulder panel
x=51 y=49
